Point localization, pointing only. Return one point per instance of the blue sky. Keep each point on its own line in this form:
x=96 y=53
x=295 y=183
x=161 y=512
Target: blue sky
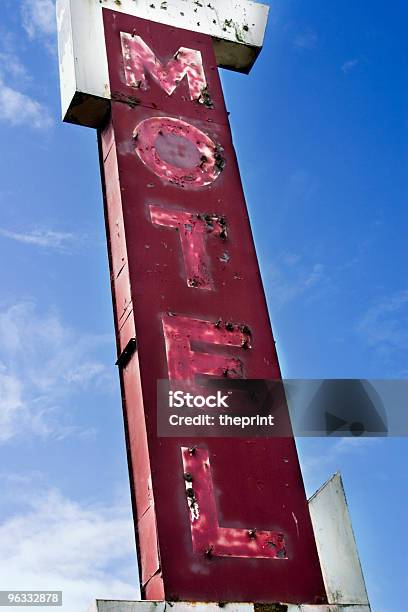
x=320 y=128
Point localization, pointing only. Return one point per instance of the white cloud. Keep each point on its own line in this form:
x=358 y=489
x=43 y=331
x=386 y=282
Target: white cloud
x=12 y=408
x=347 y=446
x=55 y=543
x=42 y=238
x=305 y=40
x=322 y=458
x=45 y=364
x=11 y=65
x=385 y=325
x=17 y=109
x=39 y=18
x=290 y=279
x=348 y=66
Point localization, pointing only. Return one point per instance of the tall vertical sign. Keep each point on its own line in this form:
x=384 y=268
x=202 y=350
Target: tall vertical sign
x=215 y=519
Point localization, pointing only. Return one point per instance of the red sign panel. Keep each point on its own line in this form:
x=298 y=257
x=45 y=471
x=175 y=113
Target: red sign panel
x=216 y=519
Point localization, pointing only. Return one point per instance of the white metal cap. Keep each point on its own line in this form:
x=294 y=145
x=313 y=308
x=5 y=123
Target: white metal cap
x=236 y=26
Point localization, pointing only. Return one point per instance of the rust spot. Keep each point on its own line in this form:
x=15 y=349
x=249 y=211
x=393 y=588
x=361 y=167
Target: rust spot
x=245 y=343
x=219 y=158
x=188 y=477
x=131 y=101
x=194 y=282
x=229 y=326
x=209 y=552
x=205 y=97
x=192 y=450
x=234 y=372
x=252 y=533
x=270 y=607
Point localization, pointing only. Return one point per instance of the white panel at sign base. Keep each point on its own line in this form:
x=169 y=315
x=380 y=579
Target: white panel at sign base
x=237 y=28
x=339 y=560
x=162 y=606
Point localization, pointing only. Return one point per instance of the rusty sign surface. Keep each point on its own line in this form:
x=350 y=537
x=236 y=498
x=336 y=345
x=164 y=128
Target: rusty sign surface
x=215 y=519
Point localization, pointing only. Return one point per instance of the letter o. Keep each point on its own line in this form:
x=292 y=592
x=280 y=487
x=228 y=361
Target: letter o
x=178 y=152
x=199 y=401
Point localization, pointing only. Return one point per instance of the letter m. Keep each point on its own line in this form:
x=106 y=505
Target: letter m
x=139 y=59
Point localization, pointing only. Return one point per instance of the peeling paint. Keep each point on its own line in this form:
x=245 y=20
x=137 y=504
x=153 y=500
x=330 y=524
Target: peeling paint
x=192 y=501
x=193 y=229
x=184 y=363
x=138 y=59
x=178 y=152
x=131 y=101
x=208 y=537
x=270 y=607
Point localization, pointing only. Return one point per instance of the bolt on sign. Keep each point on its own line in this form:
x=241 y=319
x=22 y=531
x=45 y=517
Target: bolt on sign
x=215 y=519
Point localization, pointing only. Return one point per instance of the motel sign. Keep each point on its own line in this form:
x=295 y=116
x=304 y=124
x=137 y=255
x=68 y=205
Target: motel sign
x=215 y=519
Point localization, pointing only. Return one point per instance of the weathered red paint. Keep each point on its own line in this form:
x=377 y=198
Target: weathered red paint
x=184 y=363
x=207 y=534
x=182 y=331
x=193 y=229
x=178 y=152
x=138 y=59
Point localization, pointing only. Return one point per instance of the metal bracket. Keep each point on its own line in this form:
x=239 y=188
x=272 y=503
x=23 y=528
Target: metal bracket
x=127 y=353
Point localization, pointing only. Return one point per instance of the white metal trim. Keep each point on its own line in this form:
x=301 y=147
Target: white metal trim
x=336 y=545
x=237 y=28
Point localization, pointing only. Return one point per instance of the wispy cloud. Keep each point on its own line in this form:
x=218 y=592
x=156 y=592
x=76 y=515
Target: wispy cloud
x=43 y=365
x=12 y=408
x=385 y=324
x=17 y=108
x=306 y=39
x=38 y=18
x=349 y=65
x=44 y=238
x=11 y=64
x=290 y=277
x=322 y=458
x=56 y=543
